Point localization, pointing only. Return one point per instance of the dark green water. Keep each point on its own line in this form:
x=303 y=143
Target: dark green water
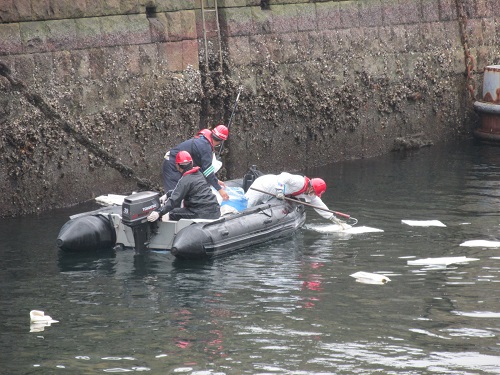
x=288 y=307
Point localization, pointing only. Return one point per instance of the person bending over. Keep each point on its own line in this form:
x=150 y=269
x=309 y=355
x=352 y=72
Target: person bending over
x=199 y=200
x=290 y=185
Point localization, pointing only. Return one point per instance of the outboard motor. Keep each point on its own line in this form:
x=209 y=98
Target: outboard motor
x=135 y=211
x=250 y=177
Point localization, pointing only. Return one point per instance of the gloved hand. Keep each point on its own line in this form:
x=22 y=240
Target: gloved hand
x=153 y=216
x=279 y=194
x=335 y=220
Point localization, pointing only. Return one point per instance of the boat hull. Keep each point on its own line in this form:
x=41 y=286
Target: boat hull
x=230 y=234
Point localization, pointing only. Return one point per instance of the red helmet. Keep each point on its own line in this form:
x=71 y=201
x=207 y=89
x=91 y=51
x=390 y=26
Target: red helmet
x=319 y=186
x=221 y=132
x=183 y=157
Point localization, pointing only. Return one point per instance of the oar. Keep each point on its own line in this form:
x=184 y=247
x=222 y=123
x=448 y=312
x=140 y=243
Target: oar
x=313 y=206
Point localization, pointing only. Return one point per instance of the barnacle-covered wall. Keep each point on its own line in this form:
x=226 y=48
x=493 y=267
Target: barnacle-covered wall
x=322 y=81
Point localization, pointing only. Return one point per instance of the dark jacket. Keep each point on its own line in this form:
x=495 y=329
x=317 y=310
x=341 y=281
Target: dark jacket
x=196 y=193
x=201 y=151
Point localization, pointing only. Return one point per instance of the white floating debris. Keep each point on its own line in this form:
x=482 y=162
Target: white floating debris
x=38 y=327
x=481 y=243
x=478 y=314
x=440 y=261
x=335 y=228
x=39 y=321
x=423 y=223
x=370 y=278
x=38 y=316
x=110 y=199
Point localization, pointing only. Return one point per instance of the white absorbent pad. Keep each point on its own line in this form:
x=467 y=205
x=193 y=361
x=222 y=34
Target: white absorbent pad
x=423 y=223
x=440 y=261
x=481 y=243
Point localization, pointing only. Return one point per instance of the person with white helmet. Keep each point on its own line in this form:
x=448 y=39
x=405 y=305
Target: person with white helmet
x=201 y=148
x=192 y=189
x=291 y=185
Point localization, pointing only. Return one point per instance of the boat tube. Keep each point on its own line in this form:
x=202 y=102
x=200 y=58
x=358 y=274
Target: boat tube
x=250 y=227
x=87 y=233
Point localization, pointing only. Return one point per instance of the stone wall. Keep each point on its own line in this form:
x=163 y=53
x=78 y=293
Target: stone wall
x=354 y=79
x=323 y=81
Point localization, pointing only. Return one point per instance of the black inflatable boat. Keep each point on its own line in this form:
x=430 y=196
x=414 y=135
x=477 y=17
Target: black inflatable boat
x=234 y=232
x=126 y=225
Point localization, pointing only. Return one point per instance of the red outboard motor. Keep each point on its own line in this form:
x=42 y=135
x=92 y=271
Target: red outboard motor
x=135 y=211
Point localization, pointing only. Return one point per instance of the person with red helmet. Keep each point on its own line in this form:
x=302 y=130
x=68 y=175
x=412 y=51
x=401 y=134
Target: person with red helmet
x=192 y=188
x=220 y=132
x=201 y=148
x=291 y=185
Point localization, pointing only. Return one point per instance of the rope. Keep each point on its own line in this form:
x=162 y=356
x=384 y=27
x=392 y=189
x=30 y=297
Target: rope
x=37 y=101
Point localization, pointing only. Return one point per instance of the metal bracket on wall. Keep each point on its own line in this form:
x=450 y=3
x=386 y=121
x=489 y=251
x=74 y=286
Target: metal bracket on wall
x=211 y=36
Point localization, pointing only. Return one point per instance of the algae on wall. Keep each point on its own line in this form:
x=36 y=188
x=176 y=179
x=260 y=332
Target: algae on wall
x=351 y=79
x=323 y=81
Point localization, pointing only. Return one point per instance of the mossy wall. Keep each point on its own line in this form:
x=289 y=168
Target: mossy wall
x=322 y=81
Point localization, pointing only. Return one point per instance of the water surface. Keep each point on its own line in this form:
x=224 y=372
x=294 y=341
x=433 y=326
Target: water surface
x=286 y=307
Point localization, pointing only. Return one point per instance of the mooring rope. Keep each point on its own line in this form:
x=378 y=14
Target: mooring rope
x=37 y=101
x=468 y=58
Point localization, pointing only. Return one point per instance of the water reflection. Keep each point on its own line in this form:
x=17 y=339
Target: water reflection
x=100 y=260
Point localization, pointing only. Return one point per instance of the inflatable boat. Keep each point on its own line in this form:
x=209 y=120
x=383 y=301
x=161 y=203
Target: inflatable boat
x=125 y=225
x=233 y=232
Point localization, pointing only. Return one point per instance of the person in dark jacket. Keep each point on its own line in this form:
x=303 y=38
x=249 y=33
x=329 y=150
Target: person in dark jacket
x=201 y=148
x=199 y=200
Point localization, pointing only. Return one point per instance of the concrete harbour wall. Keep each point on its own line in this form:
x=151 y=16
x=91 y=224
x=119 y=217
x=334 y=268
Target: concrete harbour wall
x=323 y=81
